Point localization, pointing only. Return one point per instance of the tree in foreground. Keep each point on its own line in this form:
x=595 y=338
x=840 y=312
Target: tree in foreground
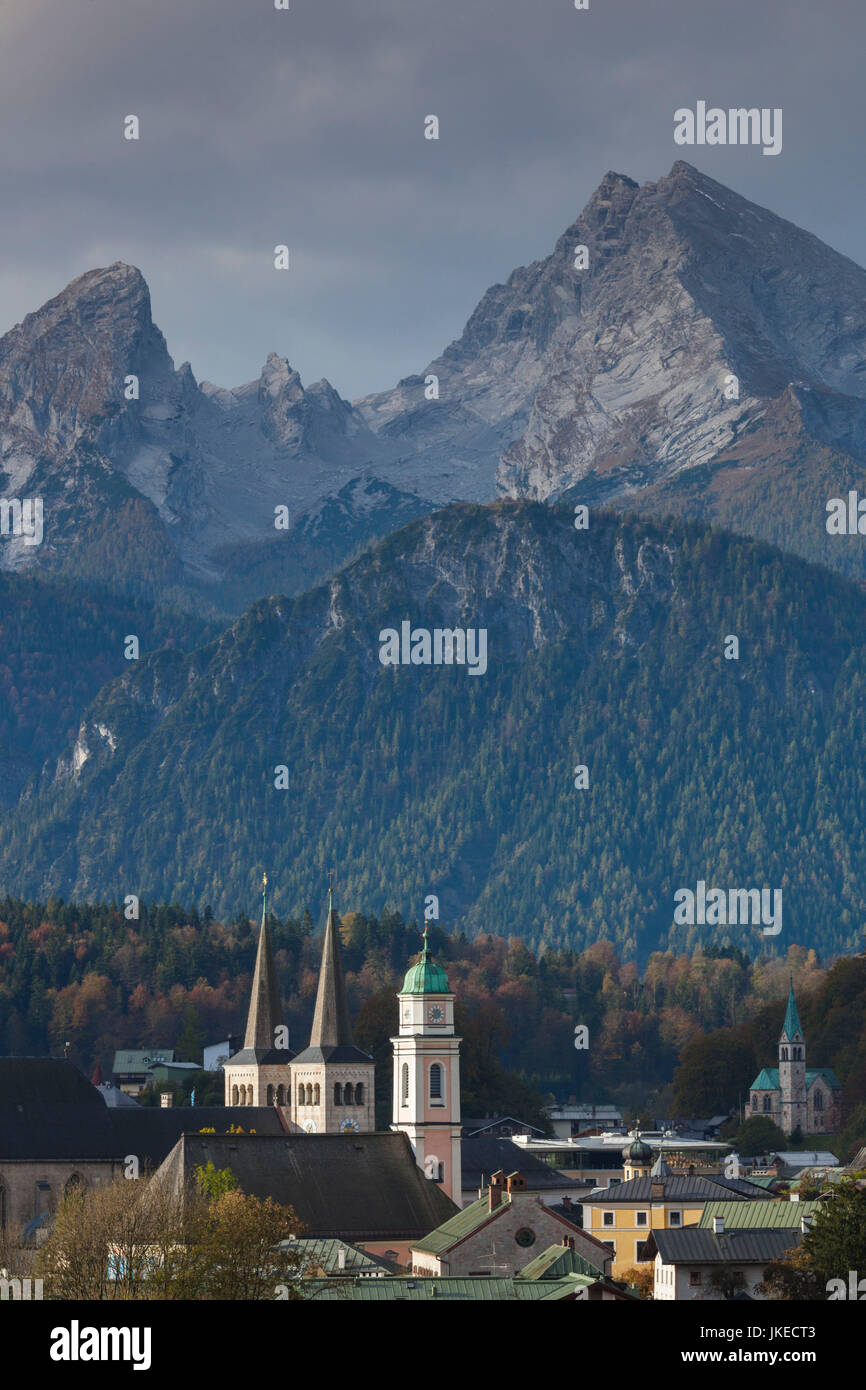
x=135 y=1239
x=833 y=1250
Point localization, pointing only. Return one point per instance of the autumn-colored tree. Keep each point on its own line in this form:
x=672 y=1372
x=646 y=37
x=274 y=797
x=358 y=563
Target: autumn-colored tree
x=641 y=1278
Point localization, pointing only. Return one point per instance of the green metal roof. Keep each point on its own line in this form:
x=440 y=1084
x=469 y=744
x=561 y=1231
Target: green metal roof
x=457 y=1227
x=768 y=1079
x=792 y=1025
x=757 y=1215
x=325 y=1253
x=556 y=1262
x=425 y=977
x=475 y=1290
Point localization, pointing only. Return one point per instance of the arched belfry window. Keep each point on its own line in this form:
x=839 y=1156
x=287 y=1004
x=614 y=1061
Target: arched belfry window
x=338 y=1093
x=404 y=1084
x=270 y=1096
x=348 y=1094
x=784 y=1054
x=436 y=1082
x=2 y=1207
x=317 y=1094
x=281 y=1094
x=359 y=1093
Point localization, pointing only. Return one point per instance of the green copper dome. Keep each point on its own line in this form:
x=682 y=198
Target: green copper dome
x=426 y=977
x=638 y=1150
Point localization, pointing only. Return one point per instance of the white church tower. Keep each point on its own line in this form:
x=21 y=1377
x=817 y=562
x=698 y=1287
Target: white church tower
x=427 y=1074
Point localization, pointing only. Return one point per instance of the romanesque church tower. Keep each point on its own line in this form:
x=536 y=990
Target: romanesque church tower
x=427 y=1074
x=259 y=1074
x=332 y=1080
x=792 y=1071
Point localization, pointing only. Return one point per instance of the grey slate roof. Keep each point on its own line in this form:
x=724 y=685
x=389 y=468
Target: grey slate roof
x=693 y=1245
x=355 y=1187
x=48 y=1110
x=482 y=1156
x=676 y=1189
x=48 y=1080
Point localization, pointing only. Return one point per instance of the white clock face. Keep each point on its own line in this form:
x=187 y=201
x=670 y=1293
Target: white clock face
x=349 y=1126
x=435 y=1014
x=309 y=1126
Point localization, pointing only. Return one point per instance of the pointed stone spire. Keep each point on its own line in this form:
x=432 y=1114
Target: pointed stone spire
x=792 y=1025
x=331 y=1027
x=266 y=1012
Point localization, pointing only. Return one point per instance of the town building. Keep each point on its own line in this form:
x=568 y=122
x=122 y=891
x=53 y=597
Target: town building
x=624 y=1215
x=500 y=1233
x=364 y=1189
x=797 y=1099
x=569 y=1120
x=131 y=1069
x=499 y=1127
x=716 y=1263
x=481 y=1157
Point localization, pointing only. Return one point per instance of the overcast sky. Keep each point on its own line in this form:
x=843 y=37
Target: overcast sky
x=305 y=127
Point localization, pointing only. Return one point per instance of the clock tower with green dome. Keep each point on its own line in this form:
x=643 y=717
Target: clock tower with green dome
x=427 y=1073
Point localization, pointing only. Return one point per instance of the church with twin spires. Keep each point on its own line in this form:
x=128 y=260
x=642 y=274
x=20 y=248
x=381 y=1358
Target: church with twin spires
x=329 y=1088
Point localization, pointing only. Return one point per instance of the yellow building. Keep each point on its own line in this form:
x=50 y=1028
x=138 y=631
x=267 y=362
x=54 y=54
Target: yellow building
x=652 y=1198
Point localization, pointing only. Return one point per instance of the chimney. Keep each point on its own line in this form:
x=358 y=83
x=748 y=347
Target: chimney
x=657 y=1191
x=718 y=1225
x=805 y=1223
x=494 y=1194
x=166 y=1100
x=341 y=1257
x=566 y=1202
x=516 y=1182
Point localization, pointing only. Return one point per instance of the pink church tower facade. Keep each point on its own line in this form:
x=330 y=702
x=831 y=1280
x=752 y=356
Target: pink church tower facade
x=426 y=1096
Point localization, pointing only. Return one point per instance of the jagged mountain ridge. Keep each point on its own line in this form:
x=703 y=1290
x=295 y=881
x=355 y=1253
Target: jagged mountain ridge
x=610 y=381
x=605 y=648
x=606 y=383
x=199 y=469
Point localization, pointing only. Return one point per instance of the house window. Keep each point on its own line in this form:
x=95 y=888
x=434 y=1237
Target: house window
x=436 y=1083
x=611 y=1245
x=404 y=1084
x=675 y=1218
x=819 y=1101
x=754 y=1102
x=607 y=1218
x=767 y=1105
x=641 y=1218
x=640 y=1251
x=695 y=1278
